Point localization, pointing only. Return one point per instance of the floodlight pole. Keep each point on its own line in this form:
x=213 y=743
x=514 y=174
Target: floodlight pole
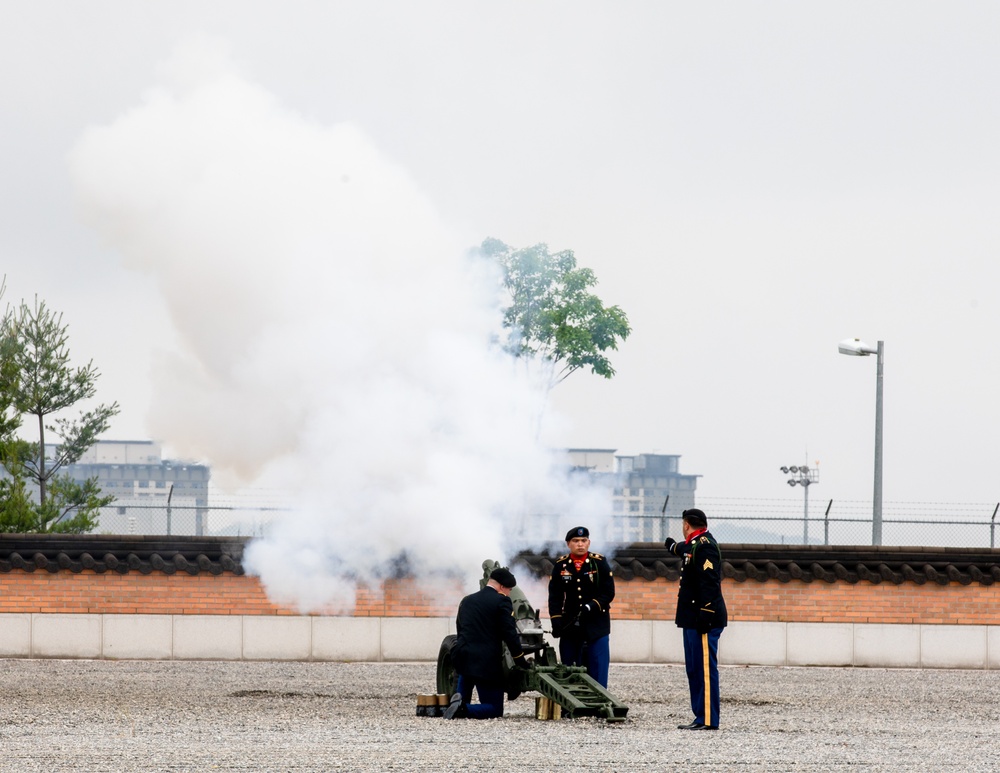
x=807 y=476
x=877 y=494
x=805 y=513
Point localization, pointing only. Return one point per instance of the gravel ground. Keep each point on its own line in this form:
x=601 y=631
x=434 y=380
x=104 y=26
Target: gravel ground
x=187 y=716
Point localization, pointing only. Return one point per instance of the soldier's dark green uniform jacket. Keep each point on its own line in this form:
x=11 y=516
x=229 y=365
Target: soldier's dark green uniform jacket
x=700 y=603
x=570 y=590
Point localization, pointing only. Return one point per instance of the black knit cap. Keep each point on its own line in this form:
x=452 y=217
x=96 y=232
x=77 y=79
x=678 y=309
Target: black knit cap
x=504 y=577
x=578 y=531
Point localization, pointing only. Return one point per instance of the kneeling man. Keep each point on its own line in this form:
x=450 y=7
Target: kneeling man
x=485 y=622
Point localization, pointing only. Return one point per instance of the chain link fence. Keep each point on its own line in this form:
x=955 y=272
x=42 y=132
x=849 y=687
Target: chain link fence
x=846 y=522
x=190 y=520
x=756 y=521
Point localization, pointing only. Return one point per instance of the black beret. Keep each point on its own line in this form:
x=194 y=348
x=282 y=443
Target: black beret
x=504 y=577
x=695 y=517
x=578 y=531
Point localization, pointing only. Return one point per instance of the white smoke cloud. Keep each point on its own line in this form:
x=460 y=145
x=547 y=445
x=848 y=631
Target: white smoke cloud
x=334 y=333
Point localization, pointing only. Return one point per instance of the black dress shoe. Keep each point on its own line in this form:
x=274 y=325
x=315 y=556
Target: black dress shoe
x=692 y=726
x=706 y=727
x=454 y=710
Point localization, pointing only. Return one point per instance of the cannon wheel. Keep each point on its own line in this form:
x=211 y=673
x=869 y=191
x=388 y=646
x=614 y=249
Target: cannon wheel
x=447 y=676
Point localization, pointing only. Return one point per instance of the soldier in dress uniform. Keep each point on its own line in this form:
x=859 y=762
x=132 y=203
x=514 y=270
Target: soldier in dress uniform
x=580 y=592
x=701 y=613
x=485 y=622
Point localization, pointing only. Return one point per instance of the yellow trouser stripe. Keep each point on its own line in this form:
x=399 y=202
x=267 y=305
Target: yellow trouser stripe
x=708 y=679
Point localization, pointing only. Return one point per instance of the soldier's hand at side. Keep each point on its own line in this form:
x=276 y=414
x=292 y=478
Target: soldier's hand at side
x=705 y=621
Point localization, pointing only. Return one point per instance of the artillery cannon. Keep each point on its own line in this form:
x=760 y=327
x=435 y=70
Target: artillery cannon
x=571 y=687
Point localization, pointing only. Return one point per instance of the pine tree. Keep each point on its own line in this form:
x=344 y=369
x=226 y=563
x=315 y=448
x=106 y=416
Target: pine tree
x=37 y=380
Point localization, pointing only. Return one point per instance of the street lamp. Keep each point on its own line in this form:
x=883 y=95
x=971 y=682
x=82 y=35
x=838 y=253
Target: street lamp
x=857 y=348
x=805 y=478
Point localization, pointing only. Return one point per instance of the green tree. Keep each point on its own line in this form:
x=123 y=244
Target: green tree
x=40 y=382
x=16 y=511
x=552 y=316
x=10 y=420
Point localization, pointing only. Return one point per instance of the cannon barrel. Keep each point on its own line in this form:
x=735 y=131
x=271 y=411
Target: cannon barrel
x=569 y=686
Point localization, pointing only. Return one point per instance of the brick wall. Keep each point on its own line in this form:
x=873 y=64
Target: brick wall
x=89 y=592
x=841 y=602
x=133 y=593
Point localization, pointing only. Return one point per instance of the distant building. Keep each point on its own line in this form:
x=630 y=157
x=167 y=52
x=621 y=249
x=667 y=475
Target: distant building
x=152 y=495
x=648 y=493
x=592 y=460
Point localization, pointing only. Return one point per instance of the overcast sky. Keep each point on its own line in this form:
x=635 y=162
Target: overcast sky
x=751 y=183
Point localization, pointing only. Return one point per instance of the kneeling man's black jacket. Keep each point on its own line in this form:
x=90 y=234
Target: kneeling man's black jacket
x=485 y=619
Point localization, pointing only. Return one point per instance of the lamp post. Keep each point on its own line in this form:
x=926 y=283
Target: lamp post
x=805 y=478
x=857 y=348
